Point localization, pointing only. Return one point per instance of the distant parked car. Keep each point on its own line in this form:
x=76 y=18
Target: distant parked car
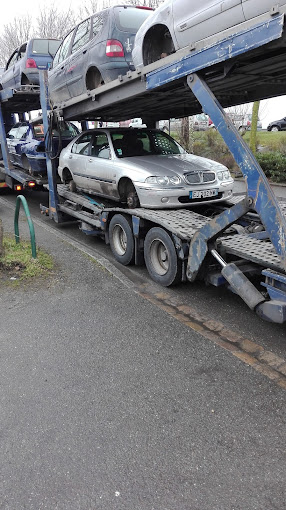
x=136 y=123
x=199 y=122
x=141 y=167
x=277 y=125
x=26 y=144
x=96 y=51
x=177 y=23
x=23 y=66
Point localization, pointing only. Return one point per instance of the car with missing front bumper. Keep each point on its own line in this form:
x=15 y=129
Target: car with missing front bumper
x=141 y=167
x=26 y=143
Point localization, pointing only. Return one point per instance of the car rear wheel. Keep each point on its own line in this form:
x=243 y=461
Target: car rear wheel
x=161 y=258
x=121 y=239
x=275 y=129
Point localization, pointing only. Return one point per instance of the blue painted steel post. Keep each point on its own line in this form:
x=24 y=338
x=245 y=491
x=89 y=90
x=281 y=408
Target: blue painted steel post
x=51 y=165
x=4 y=148
x=263 y=199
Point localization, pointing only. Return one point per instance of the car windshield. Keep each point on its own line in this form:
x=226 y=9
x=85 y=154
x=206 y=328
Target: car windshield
x=45 y=46
x=130 y=19
x=138 y=142
x=67 y=130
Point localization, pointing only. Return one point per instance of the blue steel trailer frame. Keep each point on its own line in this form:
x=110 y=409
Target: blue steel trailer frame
x=259 y=194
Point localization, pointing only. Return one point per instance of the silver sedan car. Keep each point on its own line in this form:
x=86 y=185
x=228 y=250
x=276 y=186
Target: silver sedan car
x=141 y=167
x=178 y=23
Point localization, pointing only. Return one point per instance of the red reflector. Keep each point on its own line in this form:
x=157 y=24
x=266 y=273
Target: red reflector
x=144 y=7
x=18 y=187
x=30 y=63
x=114 y=48
x=31 y=184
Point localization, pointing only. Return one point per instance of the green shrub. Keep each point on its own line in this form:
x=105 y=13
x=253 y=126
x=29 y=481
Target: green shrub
x=273 y=164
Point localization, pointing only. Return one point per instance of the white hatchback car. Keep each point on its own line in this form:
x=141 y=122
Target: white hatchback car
x=141 y=167
x=178 y=23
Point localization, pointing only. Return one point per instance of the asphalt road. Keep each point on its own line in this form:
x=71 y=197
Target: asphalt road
x=216 y=303
x=112 y=398
x=110 y=401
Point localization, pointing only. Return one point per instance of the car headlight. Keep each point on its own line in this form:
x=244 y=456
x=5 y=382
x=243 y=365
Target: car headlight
x=224 y=175
x=163 y=180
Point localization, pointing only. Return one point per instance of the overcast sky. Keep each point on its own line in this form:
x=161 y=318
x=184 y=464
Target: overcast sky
x=272 y=109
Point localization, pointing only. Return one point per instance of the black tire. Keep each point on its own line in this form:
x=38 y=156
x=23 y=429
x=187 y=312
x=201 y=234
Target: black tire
x=121 y=239
x=72 y=185
x=161 y=258
x=275 y=128
x=132 y=198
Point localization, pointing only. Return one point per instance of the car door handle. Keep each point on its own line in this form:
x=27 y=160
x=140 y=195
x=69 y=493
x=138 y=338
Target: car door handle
x=90 y=160
x=70 y=157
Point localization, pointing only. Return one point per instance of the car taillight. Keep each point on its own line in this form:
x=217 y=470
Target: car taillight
x=144 y=7
x=30 y=63
x=114 y=48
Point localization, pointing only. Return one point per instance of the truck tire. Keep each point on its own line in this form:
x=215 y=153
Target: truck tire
x=121 y=239
x=161 y=258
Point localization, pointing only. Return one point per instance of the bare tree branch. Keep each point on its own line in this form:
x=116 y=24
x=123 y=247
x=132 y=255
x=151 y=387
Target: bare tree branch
x=15 y=33
x=52 y=23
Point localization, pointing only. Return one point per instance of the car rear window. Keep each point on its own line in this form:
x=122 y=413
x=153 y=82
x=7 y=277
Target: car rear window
x=45 y=46
x=130 y=19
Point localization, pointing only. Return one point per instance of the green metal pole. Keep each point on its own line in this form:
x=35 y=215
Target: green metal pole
x=21 y=198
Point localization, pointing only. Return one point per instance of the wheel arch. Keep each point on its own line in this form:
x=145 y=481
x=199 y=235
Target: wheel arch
x=123 y=185
x=66 y=175
x=24 y=79
x=155 y=42
x=93 y=78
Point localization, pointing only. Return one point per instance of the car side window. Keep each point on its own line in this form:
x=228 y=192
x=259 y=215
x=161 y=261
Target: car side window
x=81 y=146
x=97 y=23
x=63 y=49
x=82 y=35
x=100 y=146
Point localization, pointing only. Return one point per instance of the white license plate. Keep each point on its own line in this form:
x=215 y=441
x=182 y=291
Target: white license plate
x=203 y=193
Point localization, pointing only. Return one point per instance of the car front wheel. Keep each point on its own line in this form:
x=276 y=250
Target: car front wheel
x=132 y=199
x=275 y=129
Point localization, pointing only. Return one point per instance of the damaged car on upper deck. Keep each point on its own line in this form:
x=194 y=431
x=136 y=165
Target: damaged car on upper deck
x=179 y=23
x=96 y=51
x=25 y=62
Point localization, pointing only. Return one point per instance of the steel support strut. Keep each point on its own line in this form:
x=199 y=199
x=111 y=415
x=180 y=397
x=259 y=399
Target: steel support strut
x=51 y=165
x=258 y=189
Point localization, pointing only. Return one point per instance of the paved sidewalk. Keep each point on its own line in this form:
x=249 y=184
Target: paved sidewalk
x=108 y=403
